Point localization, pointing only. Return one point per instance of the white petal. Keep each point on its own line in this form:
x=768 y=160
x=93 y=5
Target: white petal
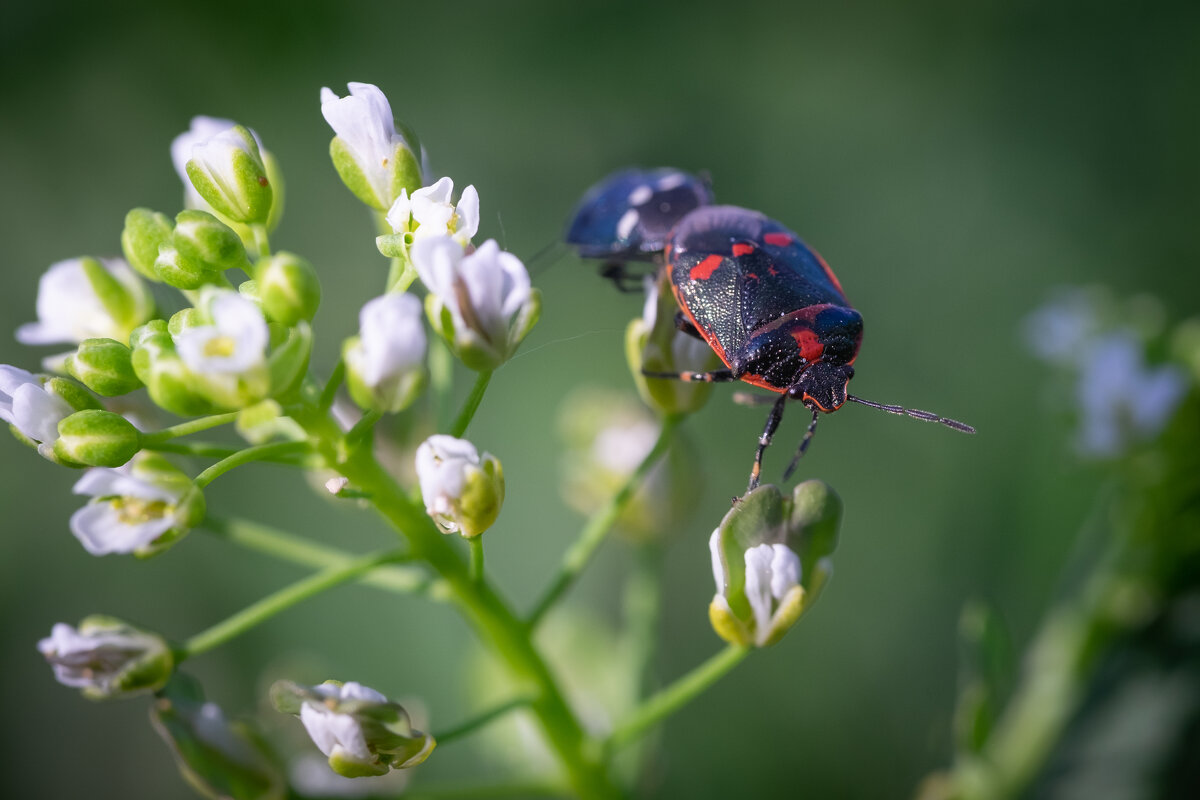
x=202 y=129
x=392 y=338
x=36 y=412
x=785 y=570
x=437 y=260
x=400 y=214
x=650 y=307
x=351 y=690
x=718 y=567
x=99 y=528
x=468 y=213
x=758 y=585
x=118 y=482
x=438 y=192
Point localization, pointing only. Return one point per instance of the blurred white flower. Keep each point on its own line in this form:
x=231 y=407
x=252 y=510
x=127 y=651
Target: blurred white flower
x=201 y=130
x=337 y=734
x=106 y=657
x=1121 y=399
x=88 y=299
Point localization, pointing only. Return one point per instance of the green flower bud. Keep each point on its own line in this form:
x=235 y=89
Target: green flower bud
x=107 y=658
x=652 y=343
x=288 y=288
x=97 y=438
x=758 y=552
x=158 y=365
x=105 y=366
x=361 y=731
x=201 y=237
x=260 y=423
x=228 y=172
x=145 y=231
x=288 y=362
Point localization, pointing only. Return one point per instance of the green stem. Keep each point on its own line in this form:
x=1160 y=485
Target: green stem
x=262 y=452
x=201 y=449
x=261 y=240
x=289 y=547
x=441 y=379
x=477 y=722
x=643 y=607
x=597 y=528
x=487 y=613
x=469 y=407
x=676 y=696
x=329 y=393
x=485 y=791
x=362 y=429
x=186 y=428
x=475 y=546
x=282 y=600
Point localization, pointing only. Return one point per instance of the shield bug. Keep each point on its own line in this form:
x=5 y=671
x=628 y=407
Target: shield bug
x=773 y=311
x=627 y=216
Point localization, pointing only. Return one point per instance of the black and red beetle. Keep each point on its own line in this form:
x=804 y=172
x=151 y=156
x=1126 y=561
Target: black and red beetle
x=771 y=309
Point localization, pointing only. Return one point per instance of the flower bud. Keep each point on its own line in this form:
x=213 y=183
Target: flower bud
x=653 y=343
x=288 y=288
x=158 y=365
x=97 y=439
x=357 y=728
x=758 y=552
x=374 y=161
x=262 y=422
x=384 y=362
x=481 y=303
x=141 y=508
x=86 y=298
x=199 y=251
x=219 y=758
x=462 y=492
x=145 y=231
x=107 y=658
x=105 y=366
x=227 y=170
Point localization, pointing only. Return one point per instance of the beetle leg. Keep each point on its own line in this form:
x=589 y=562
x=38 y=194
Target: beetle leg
x=764 y=441
x=808 y=435
x=684 y=325
x=716 y=376
x=616 y=272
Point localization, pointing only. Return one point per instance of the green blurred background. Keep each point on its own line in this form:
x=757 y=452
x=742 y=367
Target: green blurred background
x=953 y=161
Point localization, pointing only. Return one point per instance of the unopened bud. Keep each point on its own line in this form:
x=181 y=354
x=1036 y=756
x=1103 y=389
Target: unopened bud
x=145 y=231
x=105 y=366
x=288 y=288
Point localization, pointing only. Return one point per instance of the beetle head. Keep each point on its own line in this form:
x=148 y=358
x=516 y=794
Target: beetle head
x=823 y=386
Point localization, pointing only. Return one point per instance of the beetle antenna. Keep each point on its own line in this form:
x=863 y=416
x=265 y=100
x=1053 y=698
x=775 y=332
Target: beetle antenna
x=546 y=257
x=808 y=435
x=915 y=413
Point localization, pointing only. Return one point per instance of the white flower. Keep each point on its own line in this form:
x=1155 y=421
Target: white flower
x=772 y=575
x=462 y=492
x=336 y=734
x=235 y=343
x=484 y=290
x=622 y=446
x=127 y=512
x=363 y=120
x=1121 y=399
x=772 y=570
x=392 y=338
x=105 y=657
x=71 y=306
x=29 y=407
x=430 y=213
x=201 y=130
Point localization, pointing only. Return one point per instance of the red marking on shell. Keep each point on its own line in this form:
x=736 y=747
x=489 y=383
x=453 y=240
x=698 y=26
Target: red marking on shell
x=752 y=275
x=772 y=271
x=262 y=180
x=810 y=347
x=777 y=239
x=704 y=270
x=833 y=278
x=742 y=249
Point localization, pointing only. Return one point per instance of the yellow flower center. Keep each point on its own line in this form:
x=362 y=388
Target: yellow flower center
x=134 y=511
x=219 y=347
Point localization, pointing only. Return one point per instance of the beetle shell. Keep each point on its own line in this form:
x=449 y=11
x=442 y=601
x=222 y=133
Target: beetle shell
x=628 y=215
x=765 y=302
